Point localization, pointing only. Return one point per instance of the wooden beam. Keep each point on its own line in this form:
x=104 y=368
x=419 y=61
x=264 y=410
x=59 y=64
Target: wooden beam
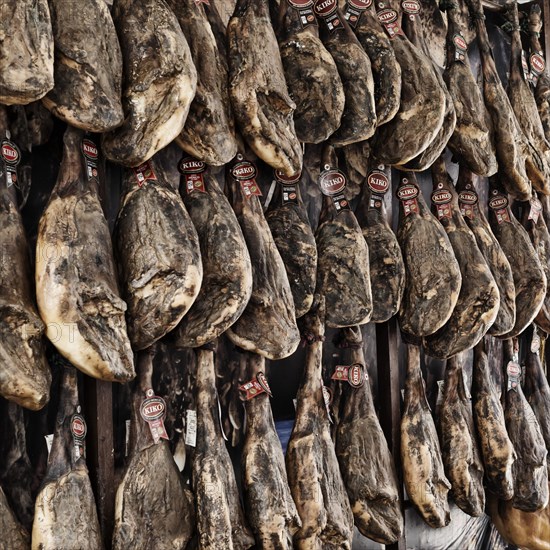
x=98 y=411
x=389 y=390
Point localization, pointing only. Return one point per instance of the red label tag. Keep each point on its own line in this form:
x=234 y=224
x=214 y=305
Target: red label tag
x=460 y=47
x=443 y=211
x=90 y=153
x=354 y=10
x=407 y=194
x=388 y=19
x=378 y=182
x=442 y=199
x=535 y=210
x=298 y=4
x=332 y=182
x=192 y=170
x=537 y=63
x=78 y=426
x=256 y=387
x=411 y=7
x=153 y=411
x=89 y=149
x=11 y=157
x=245 y=173
x=499 y=204
x=513 y=371
x=327 y=10
x=355 y=375
x=144 y=173
x=467 y=200
x=78 y=432
x=250 y=188
x=10 y=152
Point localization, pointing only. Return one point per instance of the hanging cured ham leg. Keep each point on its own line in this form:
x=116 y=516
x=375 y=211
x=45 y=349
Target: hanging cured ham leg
x=270 y=509
x=65 y=504
x=76 y=283
x=220 y=519
x=153 y=508
x=369 y=477
x=313 y=472
x=423 y=470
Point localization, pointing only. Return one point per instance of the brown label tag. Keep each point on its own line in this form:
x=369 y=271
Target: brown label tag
x=535 y=210
x=144 y=173
x=328 y=11
x=332 y=182
x=354 y=10
x=192 y=171
x=153 y=411
x=305 y=10
x=12 y=157
x=388 y=19
x=290 y=193
x=255 y=387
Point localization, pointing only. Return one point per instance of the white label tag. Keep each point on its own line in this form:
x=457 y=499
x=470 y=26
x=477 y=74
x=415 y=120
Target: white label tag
x=270 y=194
x=295 y=402
x=49 y=441
x=191 y=428
x=128 y=423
